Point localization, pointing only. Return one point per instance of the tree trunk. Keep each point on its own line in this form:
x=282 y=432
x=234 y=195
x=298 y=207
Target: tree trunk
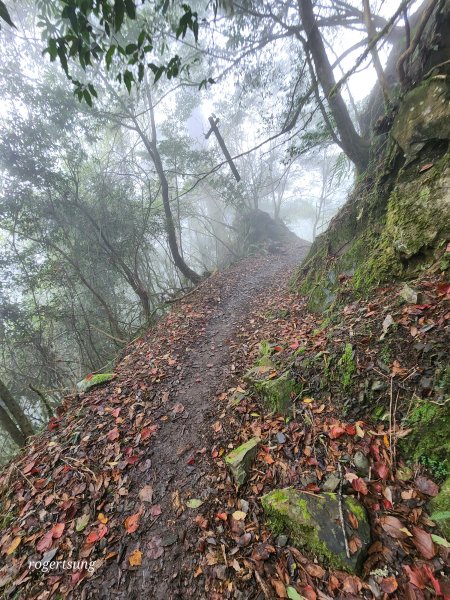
x=9 y=426
x=356 y=147
x=371 y=32
x=16 y=411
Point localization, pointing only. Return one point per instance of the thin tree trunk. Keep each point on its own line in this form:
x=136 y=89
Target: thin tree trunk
x=9 y=426
x=371 y=32
x=356 y=148
x=16 y=411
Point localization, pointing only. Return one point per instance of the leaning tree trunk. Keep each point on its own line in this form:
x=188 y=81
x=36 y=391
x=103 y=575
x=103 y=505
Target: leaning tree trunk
x=8 y=424
x=354 y=146
x=16 y=411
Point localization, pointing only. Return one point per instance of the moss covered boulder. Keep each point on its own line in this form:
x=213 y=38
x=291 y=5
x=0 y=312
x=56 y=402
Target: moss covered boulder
x=428 y=442
x=440 y=507
x=313 y=524
x=94 y=380
x=240 y=460
x=276 y=391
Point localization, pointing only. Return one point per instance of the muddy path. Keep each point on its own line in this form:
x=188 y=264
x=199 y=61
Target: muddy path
x=178 y=462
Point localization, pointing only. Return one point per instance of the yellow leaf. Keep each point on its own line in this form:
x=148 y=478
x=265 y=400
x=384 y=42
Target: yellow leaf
x=408 y=533
x=238 y=515
x=308 y=400
x=359 y=431
x=101 y=517
x=12 y=547
x=135 y=558
x=386 y=440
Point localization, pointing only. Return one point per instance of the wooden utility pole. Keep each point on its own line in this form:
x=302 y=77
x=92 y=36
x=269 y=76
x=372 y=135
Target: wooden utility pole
x=213 y=122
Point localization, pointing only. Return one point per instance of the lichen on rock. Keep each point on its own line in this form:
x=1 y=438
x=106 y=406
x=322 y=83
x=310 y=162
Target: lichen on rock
x=94 y=380
x=240 y=460
x=313 y=524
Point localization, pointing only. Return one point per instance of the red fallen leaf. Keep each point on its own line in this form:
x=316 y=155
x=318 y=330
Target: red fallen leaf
x=267 y=458
x=359 y=485
x=423 y=542
x=426 y=486
x=425 y=167
x=102 y=531
x=92 y=537
x=53 y=424
x=294 y=346
x=27 y=468
x=223 y=516
x=45 y=543
x=354 y=543
x=116 y=412
x=77 y=576
x=393 y=527
x=381 y=469
x=57 y=530
x=191 y=460
x=113 y=434
x=352 y=585
x=416 y=576
x=262 y=551
x=133 y=459
x=308 y=592
x=333 y=583
x=350 y=429
x=155 y=510
x=132 y=522
x=201 y=522
x=146 y=432
x=434 y=581
x=336 y=431
x=388 y=585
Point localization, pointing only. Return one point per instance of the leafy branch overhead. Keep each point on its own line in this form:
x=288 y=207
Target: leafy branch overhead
x=87 y=32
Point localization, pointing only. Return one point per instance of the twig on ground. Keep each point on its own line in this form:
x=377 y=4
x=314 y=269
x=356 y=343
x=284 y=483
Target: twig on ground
x=341 y=513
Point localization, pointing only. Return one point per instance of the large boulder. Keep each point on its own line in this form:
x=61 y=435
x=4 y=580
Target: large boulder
x=313 y=524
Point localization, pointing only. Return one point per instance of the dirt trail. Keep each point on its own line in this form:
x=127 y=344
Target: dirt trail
x=204 y=373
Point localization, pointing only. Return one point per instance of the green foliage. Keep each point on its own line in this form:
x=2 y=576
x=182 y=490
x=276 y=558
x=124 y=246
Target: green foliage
x=346 y=366
x=67 y=24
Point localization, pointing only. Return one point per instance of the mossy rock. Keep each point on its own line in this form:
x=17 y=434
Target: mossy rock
x=94 y=380
x=429 y=441
x=275 y=392
x=313 y=524
x=240 y=460
x=440 y=507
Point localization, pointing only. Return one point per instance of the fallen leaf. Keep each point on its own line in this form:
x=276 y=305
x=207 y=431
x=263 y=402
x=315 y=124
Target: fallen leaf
x=392 y=526
x=146 y=494
x=360 y=486
x=13 y=545
x=113 y=434
x=155 y=549
x=45 y=542
x=388 y=585
x=279 y=587
x=132 y=522
x=57 y=530
x=81 y=522
x=135 y=558
x=426 y=486
x=194 y=503
x=423 y=542
x=239 y=515
x=437 y=539
x=101 y=517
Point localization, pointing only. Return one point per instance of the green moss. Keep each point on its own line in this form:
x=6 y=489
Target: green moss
x=440 y=505
x=240 y=460
x=94 y=380
x=239 y=452
x=355 y=507
x=5 y=520
x=312 y=523
x=346 y=366
x=429 y=440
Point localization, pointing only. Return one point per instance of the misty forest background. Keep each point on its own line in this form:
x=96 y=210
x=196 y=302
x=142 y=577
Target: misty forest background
x=115 y=204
